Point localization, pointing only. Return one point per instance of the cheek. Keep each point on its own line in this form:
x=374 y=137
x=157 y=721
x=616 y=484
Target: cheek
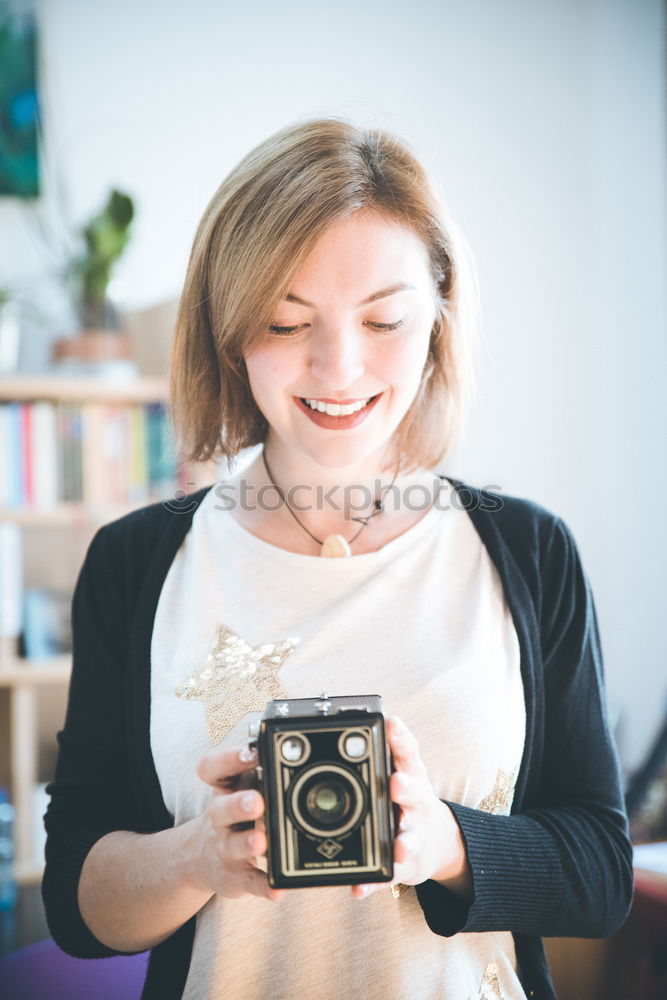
x=405 y=365
x=266 y=369
x=271 y=374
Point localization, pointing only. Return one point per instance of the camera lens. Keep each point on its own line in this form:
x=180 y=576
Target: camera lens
x=327 y=799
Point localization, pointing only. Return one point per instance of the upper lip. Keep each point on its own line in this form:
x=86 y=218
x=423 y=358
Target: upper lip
x=341 y=402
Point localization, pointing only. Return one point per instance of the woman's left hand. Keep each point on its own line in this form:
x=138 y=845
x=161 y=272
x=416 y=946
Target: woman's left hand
x=429 y=843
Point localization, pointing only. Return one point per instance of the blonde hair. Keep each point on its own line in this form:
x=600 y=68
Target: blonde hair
x=258 y=228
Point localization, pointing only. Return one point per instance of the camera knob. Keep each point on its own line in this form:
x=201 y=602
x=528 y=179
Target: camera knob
x=253 y=731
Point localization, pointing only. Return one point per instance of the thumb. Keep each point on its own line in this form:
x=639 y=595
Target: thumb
x=217 y=766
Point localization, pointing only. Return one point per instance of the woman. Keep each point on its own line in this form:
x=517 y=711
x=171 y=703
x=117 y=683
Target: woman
x=327 y=317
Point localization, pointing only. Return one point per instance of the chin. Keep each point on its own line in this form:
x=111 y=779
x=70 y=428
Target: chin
x=341 y=454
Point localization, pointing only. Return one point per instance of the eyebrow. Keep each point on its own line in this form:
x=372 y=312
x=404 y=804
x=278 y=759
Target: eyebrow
x=401 y=286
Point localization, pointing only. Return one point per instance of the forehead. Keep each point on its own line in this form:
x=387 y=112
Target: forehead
x=364 y=250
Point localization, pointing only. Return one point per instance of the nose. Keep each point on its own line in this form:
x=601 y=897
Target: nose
x=337 y=357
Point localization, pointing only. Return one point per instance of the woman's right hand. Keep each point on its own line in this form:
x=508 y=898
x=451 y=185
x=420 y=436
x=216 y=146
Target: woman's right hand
x=224 y=855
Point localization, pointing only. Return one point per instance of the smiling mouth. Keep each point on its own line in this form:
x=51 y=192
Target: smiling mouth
x=337 y=409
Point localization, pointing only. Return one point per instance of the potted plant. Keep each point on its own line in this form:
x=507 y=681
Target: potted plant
x=103 y=240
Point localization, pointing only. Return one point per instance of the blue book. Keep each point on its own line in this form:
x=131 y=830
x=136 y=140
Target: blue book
x=16 y=455
x=46 y=623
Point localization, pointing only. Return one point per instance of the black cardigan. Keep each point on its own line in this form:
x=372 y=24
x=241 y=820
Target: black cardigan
x=560 y=864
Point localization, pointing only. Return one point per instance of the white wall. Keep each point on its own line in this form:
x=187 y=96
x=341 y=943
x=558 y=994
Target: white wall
x=544 y=122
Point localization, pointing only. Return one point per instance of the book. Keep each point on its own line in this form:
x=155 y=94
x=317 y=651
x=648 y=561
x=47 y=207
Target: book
x=11 y=579
x=97 y=453
x=94 y=454
x=44 y=455
x=46 y=622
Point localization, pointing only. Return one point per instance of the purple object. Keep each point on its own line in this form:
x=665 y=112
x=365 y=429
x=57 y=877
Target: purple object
x=44 y=972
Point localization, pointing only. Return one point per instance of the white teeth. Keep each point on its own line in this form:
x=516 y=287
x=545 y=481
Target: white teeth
x=336 y=409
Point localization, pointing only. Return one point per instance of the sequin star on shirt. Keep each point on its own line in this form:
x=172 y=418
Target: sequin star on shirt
x=490 y=988
x=499 y=799
x=237 y=679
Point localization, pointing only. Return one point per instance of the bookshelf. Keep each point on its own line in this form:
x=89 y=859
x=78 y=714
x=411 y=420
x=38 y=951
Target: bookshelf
x=77 y=452
x=28 y=388
x=66 y=515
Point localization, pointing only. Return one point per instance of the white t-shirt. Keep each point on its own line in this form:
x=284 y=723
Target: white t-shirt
x=423 y=622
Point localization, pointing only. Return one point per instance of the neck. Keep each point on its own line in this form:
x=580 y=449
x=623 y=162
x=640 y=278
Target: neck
x=307 y=477
x=325 y=500
x=337 y=500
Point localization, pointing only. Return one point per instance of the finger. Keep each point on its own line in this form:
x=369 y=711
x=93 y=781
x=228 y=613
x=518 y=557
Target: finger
x=406 y=791
x=236 y=807
x=257 y=884
x=406 y=847
x=364 y=891
x=218 y=766
x=401 y=874
x=403 y=745
x=245 y=846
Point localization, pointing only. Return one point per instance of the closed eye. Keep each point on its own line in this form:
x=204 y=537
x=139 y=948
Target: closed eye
x=386 y=326
x=286 y=331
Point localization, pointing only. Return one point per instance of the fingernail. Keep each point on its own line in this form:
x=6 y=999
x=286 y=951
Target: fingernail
x=409 y=842
x=364 y=891
x=248 y=802
x=247 y=755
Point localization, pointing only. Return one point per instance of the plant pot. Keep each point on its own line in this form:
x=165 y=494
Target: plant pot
x=100 y=353
x=93 y=346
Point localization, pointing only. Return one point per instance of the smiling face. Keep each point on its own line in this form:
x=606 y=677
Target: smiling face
x=343 y=357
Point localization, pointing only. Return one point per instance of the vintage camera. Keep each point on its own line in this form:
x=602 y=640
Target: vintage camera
x=324 y=770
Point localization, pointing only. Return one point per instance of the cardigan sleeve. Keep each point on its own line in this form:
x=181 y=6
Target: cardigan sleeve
x=562 y=866
x=91 y=791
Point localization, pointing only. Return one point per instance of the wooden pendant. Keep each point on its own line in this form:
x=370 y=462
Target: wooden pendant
x=335 y=547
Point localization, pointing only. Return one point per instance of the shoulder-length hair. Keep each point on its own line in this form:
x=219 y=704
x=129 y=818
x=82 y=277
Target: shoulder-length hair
x=259 y=227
